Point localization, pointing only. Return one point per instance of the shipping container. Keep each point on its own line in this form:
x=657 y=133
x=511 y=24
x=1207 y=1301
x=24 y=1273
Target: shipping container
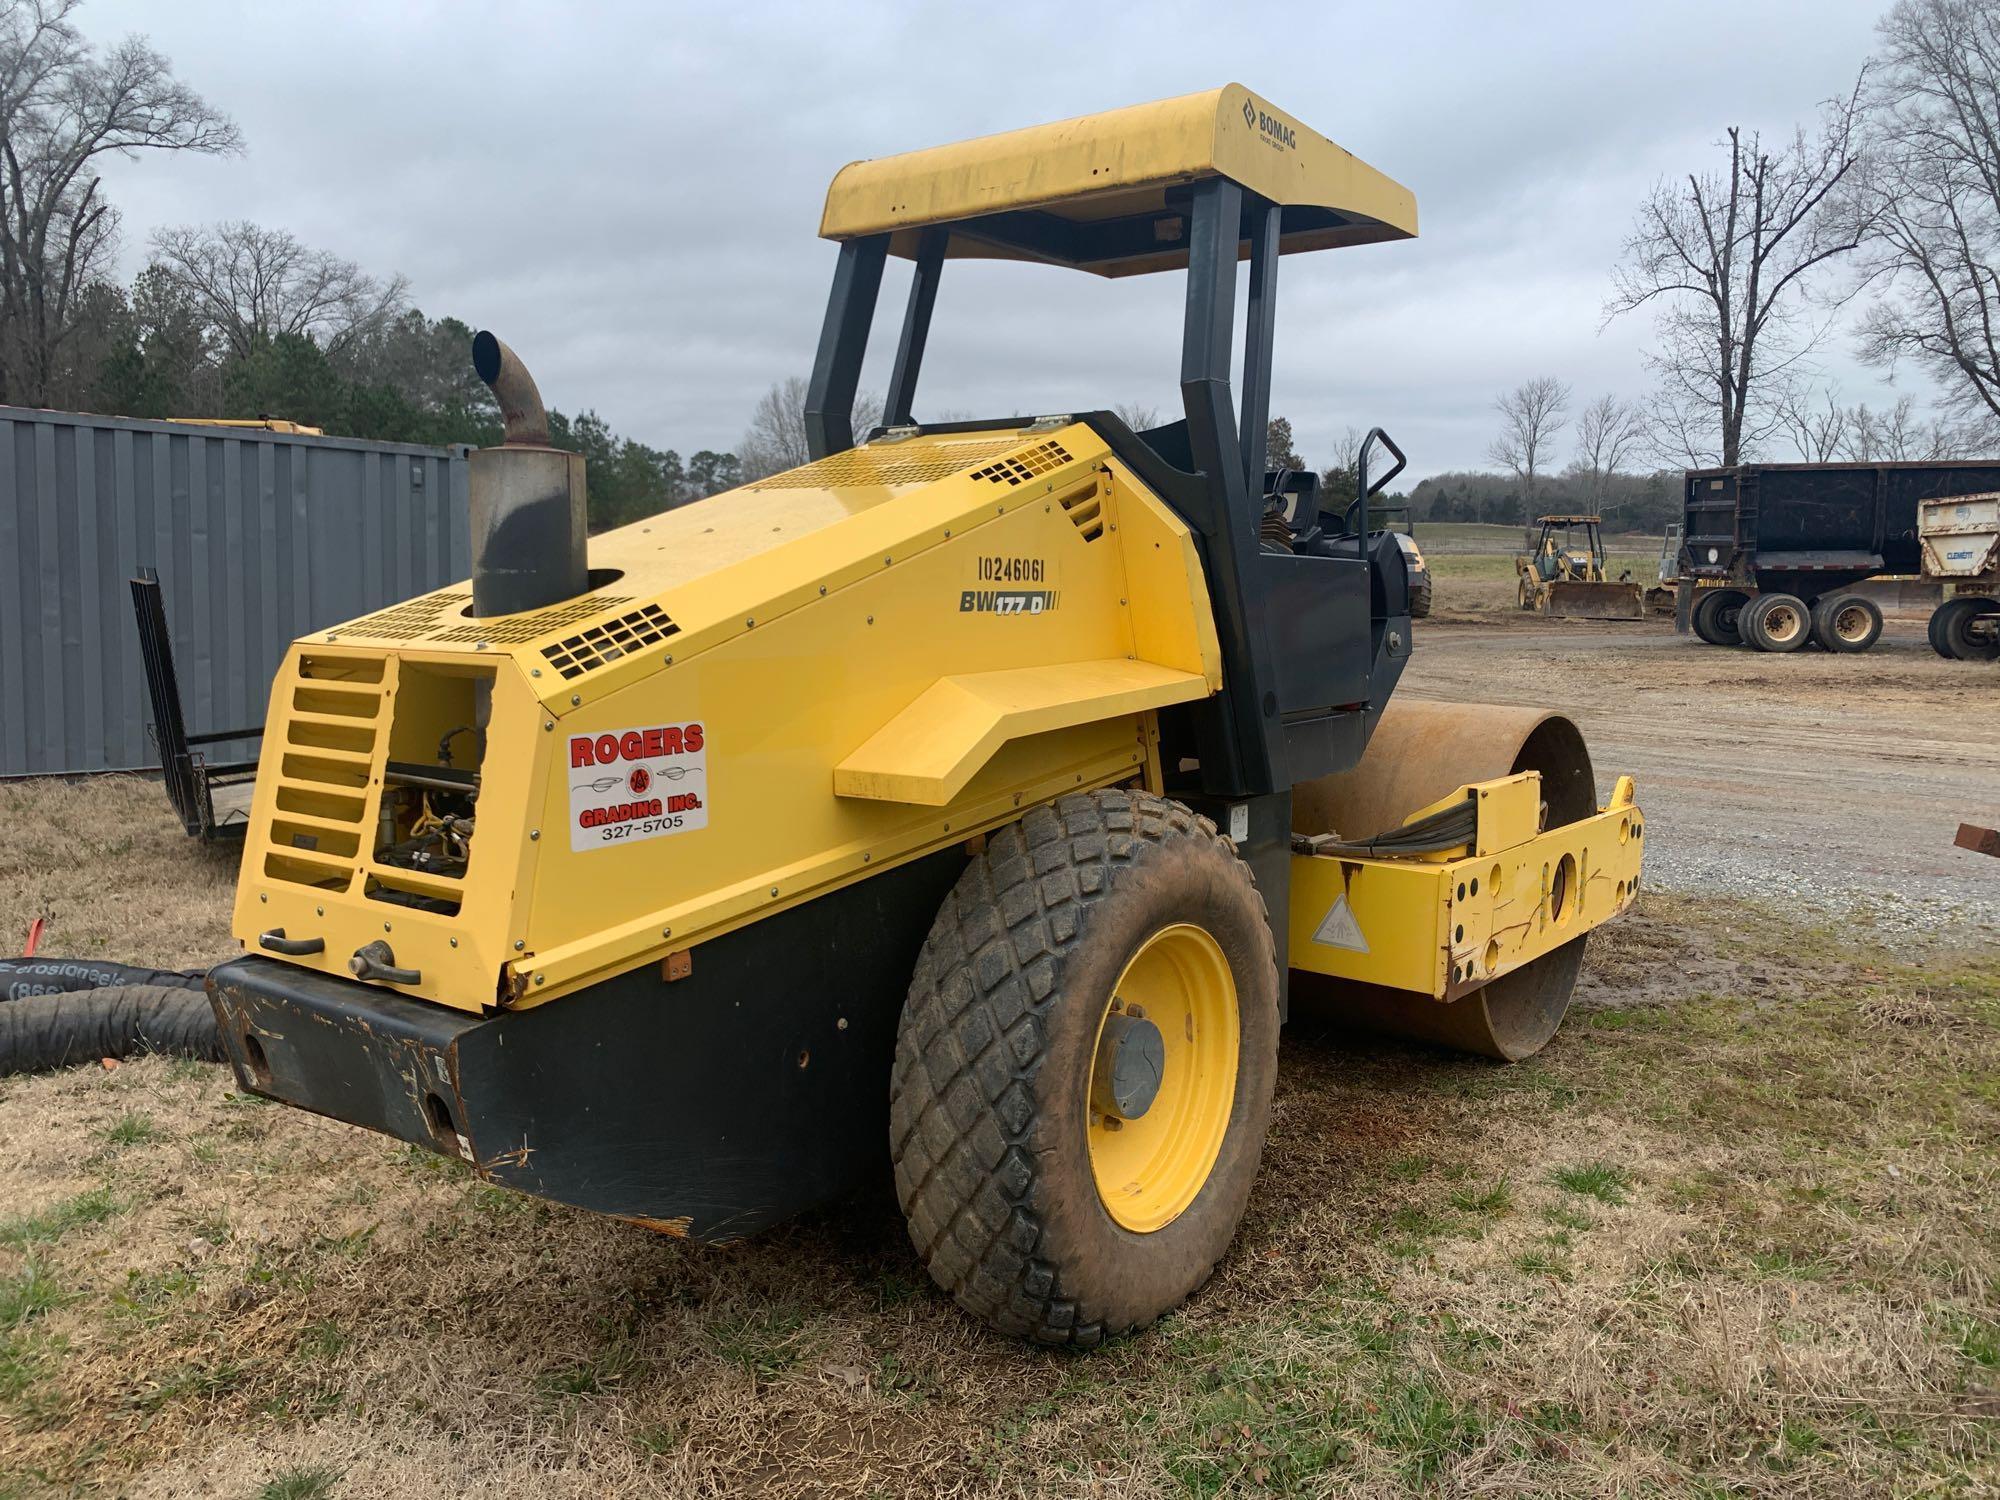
x=259 y=537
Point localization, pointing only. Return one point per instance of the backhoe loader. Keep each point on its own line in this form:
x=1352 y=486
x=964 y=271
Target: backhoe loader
x=1563 y=577
x=973 y=802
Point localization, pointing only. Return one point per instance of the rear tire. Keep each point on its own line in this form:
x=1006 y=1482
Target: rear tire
x=1718 y=614
x=1776 y=622
x=995 y=1134
x=1846 y=623
x=1420 y=595
x=1934 y=629
x=1954 y=626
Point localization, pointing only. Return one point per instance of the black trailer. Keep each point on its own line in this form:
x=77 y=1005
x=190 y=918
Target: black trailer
x=1770 y=552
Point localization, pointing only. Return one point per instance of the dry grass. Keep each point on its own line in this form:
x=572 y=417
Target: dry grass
x=104 y=861
x=1480 y=585
x=1734 y=1233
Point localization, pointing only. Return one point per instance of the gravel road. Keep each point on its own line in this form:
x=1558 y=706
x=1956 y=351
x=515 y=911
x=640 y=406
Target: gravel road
x=1829 y=783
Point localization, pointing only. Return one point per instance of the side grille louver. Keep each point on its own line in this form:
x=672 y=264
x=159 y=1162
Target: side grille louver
x=321 y=798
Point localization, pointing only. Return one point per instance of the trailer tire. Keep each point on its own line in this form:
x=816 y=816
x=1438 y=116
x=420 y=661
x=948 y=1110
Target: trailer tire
x=1953 y=623
x=1717 y=616
x=1776 y=622
x=1846 y=623
x=59 y=1031
x=1934 y=630
x=997 y=1145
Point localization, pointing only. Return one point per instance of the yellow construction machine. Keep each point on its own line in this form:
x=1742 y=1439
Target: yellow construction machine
x=1563 y=577
x=973 y=801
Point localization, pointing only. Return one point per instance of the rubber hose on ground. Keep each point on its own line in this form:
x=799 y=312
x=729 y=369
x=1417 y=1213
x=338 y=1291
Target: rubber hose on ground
x=58 y=1031
x=21 y=978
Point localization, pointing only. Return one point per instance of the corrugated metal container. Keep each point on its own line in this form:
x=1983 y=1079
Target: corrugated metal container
x=259 y=538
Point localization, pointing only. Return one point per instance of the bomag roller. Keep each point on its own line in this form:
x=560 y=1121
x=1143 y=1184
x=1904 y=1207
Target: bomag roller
x=973 y=801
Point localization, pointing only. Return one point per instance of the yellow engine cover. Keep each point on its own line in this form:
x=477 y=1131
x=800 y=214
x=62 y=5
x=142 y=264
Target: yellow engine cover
x=769 y=693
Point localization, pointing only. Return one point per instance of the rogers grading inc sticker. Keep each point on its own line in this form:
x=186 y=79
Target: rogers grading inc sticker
x=626 y=785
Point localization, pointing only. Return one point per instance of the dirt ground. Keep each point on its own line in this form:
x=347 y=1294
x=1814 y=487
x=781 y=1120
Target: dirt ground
x=1734 y=1232
x=1819 y=783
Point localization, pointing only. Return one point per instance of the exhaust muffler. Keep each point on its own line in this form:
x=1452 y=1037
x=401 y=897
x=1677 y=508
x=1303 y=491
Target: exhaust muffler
x=527 y=499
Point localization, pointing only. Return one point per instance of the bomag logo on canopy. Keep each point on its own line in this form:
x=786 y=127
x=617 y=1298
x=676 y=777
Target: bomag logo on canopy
x=1273 y=128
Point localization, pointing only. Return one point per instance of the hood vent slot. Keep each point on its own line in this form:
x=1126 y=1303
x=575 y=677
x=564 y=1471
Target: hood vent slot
x=1029 y=463
x=599 y=645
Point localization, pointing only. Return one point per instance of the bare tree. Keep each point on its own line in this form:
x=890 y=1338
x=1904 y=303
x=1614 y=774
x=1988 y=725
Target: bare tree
x=1135 y=416
x=1900 y=435
x=62 y=106
x=256 y=284
x=1933 y=184
x=1608 y=432
x=1530 y=417
x=1725 y=260
x=1817 y=427
x=776 y=439
x=1339 y=479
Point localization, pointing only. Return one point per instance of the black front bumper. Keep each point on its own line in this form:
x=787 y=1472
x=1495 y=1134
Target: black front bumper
x=712 y=1105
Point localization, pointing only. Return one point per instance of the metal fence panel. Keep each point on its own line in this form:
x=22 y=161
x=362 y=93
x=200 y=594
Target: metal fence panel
x=259 y=538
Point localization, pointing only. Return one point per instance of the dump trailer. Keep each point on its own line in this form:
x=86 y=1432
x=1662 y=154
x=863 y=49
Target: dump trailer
x=1961 y=553
x=974 y=801
x=1771 y=552
x=1562 y=575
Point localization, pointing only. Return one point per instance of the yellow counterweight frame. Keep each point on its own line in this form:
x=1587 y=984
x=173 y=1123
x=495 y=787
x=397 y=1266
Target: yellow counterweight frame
x=1443 y=925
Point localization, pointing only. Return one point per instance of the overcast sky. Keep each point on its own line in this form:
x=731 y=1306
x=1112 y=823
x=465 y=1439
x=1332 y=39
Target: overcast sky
x=629 y=193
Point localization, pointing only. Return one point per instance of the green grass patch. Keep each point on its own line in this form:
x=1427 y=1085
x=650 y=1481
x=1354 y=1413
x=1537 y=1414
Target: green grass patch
x=1563 y=1217
x=1497 y=1199
x=132 y=1128
x=1598 y=1179
x=52 y=1223
x=323 y=1340
x=1979 y=1342
x=28 y=1293
x=598 y=1375
x=152 y=1295
x=1541 y=1263
x=194 y=1382
x=301 y=1484
x=762 y=1342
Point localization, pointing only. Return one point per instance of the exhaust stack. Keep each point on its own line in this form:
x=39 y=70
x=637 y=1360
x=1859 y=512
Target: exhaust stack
x=528 y=516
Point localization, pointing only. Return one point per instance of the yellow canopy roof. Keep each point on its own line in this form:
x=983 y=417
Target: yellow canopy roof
x=1097 y=192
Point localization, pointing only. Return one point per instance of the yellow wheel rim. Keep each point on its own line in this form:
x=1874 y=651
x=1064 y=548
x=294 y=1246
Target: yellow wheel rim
x=1149 y=1169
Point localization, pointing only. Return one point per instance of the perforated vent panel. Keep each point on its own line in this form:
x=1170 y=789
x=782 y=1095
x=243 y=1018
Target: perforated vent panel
x=1019 y=468
x=517 y=629
x=888 y=465
x=592 y=648
x=411 y=619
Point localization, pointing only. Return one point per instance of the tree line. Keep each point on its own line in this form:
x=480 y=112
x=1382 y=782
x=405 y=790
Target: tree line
x=233 y=320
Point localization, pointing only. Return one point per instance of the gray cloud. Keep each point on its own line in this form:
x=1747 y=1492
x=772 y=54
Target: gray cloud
x=630 y=192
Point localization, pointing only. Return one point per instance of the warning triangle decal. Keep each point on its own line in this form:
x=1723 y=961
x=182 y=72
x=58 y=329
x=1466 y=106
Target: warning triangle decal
x=1338 y=929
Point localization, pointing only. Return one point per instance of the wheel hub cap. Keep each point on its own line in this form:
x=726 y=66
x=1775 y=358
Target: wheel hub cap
x=1131 y=1059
